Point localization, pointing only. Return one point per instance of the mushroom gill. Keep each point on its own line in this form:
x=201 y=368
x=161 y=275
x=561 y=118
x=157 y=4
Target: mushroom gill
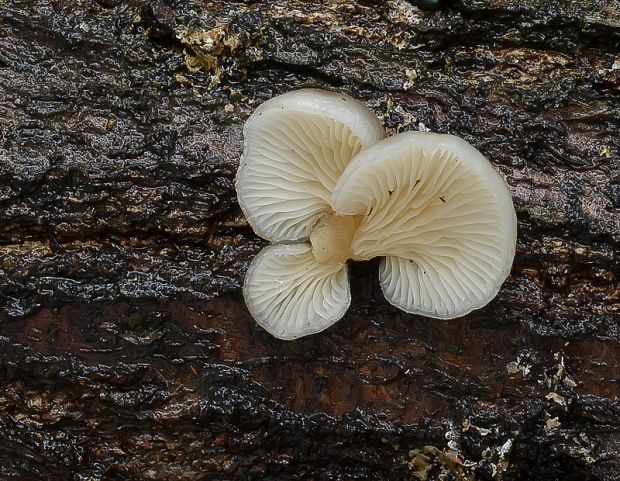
x=291 y=295
x=441 y=216
x=296 y=147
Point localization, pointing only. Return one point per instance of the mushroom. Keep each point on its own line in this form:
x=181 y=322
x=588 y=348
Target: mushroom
x=291 y=295
x=441 y=216
x=317 y=180
x=296 y=147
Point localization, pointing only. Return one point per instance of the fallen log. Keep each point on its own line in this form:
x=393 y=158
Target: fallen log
x=126 y=351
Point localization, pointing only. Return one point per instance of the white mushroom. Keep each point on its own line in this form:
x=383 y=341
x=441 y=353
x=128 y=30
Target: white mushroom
x=296 y=147
x=291 y=295
x=315 y=169
x=439 y=213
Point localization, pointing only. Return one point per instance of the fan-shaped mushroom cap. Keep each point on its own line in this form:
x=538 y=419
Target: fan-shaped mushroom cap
x=296 y=147
x=439 y=212
x=291 y=295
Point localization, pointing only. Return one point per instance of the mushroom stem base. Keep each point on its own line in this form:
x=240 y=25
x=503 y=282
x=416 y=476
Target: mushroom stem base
x=331 y=238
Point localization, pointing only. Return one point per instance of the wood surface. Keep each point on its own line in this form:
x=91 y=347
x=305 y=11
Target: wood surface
x=126 y=351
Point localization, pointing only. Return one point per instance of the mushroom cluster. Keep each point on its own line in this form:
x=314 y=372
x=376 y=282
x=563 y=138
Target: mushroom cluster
x=319 y=181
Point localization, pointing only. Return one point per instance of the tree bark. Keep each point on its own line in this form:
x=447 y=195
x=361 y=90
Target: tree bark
x=126 y=351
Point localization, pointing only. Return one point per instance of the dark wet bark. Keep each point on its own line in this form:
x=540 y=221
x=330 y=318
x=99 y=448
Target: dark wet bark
x=125 y=349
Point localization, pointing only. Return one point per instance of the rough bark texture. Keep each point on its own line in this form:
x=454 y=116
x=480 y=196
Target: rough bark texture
x=126 y=351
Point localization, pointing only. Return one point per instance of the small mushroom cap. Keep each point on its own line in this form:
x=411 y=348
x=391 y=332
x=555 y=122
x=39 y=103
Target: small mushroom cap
x=296 y=147
x=291 y=295
x=441 y=215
